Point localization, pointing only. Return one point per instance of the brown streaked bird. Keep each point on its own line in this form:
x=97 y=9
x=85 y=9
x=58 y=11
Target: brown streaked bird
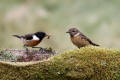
x=79 y=39
x=31 y=40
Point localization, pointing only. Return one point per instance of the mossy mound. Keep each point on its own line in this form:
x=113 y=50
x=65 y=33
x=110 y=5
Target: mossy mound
x=88 y=63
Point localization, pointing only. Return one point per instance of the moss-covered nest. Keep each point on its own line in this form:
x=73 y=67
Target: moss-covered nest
x=88 y=63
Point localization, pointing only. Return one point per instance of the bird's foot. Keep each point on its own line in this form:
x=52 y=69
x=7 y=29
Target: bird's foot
x=40 y=49
x=27 y=50
x=43 y=50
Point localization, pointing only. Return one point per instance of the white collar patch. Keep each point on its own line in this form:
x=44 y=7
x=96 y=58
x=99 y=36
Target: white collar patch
x=35 y=37
x=77 y=34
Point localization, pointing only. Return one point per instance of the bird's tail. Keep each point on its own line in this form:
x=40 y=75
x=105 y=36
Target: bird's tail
x=95 y=44
x=17 y=36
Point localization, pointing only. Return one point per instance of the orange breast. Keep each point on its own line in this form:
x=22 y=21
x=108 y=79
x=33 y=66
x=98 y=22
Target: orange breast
x=79 y=42
x=31 y=43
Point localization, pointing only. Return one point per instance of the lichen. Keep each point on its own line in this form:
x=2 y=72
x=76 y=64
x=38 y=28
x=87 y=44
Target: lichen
x=88 y=63
x=7 y=56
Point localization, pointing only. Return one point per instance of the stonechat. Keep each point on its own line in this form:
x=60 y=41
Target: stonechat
x=31 y=40
x=79 y=39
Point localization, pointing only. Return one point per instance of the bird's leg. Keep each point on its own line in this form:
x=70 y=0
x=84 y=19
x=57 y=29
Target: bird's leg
x=36 y=47
x=40 y=48
x=26 y=48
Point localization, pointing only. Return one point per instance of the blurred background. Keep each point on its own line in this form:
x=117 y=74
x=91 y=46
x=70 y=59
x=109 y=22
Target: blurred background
x=97 y=19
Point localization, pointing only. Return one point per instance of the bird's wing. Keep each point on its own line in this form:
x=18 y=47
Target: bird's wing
x=86 y=38
x=28 y=37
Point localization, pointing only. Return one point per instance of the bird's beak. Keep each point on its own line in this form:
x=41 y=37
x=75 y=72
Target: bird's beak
x=68 y=32
x=48 y=36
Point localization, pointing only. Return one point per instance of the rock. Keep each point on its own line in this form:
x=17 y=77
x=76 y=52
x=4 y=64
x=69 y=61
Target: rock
x=88 y=63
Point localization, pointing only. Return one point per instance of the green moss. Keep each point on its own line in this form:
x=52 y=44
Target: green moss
x=88 y=63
